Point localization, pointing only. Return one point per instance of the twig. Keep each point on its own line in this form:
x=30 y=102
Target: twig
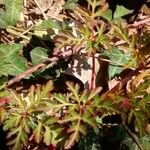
x=31 y=70
x=48 y=62
x=24 y=74
x=38 y=5
x=134 y=138
x=140 y=22
x=25 y=3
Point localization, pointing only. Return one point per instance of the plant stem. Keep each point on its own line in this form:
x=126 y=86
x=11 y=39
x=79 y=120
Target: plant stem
x=141 y=22
x=93 y=73
x=134 y=138
x=49 y=62
x=11 y=31
x=42 y=12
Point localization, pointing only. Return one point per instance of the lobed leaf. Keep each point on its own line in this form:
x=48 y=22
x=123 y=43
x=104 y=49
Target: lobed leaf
x=10 y=61
x=12 y=121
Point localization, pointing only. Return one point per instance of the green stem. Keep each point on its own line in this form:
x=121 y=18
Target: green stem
x=11 y=31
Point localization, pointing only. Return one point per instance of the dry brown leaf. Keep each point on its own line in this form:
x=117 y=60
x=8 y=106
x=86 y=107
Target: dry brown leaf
x=44 y=4
x=55 y=9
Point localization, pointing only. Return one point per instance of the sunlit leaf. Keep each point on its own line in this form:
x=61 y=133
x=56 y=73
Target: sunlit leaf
x=47 y=135
x=12 y=122
x=13 y=10
x=48 y=24
x=60 y=98
x=10 y=61
x=70 y=4
x=121 y=11
x=38 y=132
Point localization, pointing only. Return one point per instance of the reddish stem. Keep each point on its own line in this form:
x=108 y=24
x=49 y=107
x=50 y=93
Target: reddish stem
x=92 y=86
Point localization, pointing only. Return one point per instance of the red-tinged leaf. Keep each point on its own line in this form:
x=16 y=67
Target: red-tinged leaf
x=38 y=132
x=4 y=100
x=126 y=104
x=72 y=139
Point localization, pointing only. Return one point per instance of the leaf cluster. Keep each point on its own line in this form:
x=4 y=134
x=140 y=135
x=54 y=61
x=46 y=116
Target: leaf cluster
x=61 y=119
x=53 y=118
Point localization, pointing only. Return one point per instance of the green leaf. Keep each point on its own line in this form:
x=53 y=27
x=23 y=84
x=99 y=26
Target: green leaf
x=121 y=11
x=10 y=61
x=70 y=4
x=50 y=121
x=3 y=23
x=107 y=14
x=74 y=89
x=13 y=10
x=25 y=124
x=122 y=33
x=21 y=137
x=61 y=98
x=68 y=118
x=107 y=105
x=93 y=93
x=88 y=118
x=146 y=142
x=38 y=55
x=117 y=60
x=11 y=122
x=82 y=129
x=48 y=24
x=47 y=135
x=140 y=121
